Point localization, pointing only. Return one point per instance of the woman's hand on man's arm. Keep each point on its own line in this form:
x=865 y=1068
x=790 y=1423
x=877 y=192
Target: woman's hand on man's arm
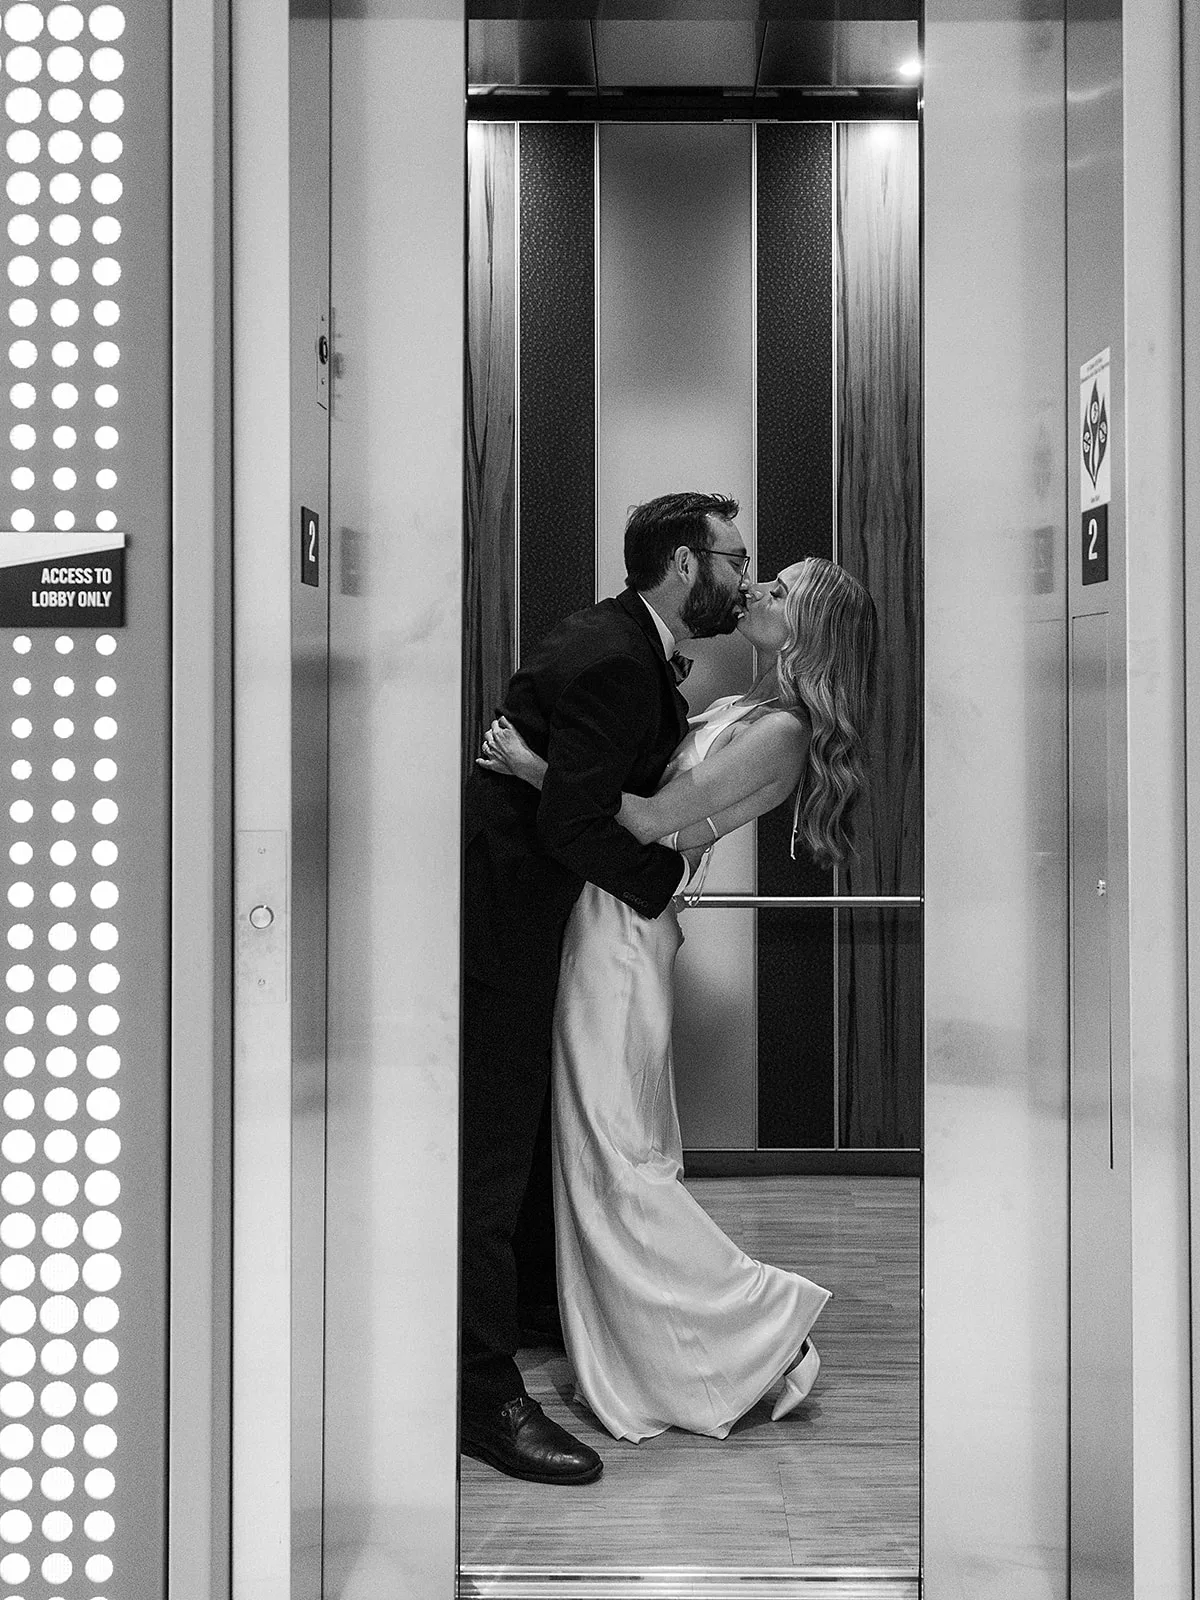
x=505 y=751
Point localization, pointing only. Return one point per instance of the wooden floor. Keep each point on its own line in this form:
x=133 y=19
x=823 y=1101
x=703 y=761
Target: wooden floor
x=835 y=1484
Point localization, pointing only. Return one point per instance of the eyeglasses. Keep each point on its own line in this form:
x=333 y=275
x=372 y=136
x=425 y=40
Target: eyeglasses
x=740 y=564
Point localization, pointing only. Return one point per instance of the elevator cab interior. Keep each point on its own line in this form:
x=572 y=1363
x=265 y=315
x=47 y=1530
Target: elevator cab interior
x=693 y=261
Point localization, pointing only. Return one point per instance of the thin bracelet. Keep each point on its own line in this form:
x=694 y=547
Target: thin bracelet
x=713 y=829
x=672 y=840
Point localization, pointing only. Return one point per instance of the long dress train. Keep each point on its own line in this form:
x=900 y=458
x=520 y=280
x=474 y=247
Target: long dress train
x=667 y=1322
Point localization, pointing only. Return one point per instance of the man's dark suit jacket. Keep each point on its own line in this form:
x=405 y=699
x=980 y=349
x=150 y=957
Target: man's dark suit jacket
x=598 y=700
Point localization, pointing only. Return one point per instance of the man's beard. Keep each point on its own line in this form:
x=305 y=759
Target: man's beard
x=708 y=609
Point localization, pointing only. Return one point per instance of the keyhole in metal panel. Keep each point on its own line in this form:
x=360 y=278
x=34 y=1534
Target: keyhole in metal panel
x=323 y=350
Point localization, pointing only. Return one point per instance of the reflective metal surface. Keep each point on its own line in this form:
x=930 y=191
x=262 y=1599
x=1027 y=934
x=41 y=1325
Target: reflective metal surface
x=796 y=902
x=199 y=1445
x=1155 y=285
x=625 y=51
x=308 y=559
x=395 y=708
x=692 y=1583
x=261 y=1278
x=1190 y=261
x=1101 y=1268
x=995 y=1248
x=675 y=410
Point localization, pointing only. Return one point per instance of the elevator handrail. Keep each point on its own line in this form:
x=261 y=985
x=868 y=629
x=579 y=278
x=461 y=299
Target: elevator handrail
x=803 y=902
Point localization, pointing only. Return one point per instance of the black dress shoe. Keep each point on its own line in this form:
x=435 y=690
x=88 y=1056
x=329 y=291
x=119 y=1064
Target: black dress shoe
x=539 y=1325
x=520 y=1439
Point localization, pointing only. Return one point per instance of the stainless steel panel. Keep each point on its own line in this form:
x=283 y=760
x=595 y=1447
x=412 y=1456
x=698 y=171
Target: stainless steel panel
x=995 y=1214
x=856 y=54
x=1190 y=262
x=1101 y=1287
x=676 y=53
x=198 y=1431
x=263 y=548
x=395 y=708
x=1155 y=768
x=1101 y=1390
x=530 y=51
x=308 y=57
x=675 y=411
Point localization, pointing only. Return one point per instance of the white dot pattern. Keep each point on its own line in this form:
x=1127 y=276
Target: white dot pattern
x=64 y=98
x=64 y=106
x=61 y=1224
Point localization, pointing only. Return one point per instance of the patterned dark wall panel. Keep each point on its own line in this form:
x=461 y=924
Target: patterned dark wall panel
x=879 y=532
x=796 y=1062
x=557 y=375
x=490 y=402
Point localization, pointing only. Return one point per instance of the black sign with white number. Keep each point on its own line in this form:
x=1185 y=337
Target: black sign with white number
x=1095 y=545
x=57 y=580
x=310 y=548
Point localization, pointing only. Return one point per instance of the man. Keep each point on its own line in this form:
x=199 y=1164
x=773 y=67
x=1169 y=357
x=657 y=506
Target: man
x=599 y=700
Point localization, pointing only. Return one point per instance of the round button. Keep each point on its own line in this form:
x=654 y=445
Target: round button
x=262 y=917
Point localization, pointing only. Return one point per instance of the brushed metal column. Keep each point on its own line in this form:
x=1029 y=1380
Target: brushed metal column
x=1190 y=263
x=995 y=1198
x=1101 y=1282
x=311 y=377
x=1155 y=286
x=396 y=497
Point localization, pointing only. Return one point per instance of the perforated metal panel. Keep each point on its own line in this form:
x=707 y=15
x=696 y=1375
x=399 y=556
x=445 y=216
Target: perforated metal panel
x=85 y=448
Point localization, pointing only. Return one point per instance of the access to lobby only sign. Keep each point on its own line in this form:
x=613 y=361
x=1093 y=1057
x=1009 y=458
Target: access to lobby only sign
x=62 y=580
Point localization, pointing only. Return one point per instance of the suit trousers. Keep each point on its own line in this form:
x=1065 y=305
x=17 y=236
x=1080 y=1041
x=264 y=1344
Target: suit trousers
x=507 y=1253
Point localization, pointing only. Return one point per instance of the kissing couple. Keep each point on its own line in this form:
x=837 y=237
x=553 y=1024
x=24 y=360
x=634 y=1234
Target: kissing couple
x=588 y=820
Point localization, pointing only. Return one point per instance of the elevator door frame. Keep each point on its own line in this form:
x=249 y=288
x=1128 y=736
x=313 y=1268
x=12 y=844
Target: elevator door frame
x=260 y=1449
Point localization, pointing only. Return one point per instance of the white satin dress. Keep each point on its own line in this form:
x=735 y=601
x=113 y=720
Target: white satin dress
x=667 y=1323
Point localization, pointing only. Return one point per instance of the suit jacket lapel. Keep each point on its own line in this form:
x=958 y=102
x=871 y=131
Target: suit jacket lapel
x=632 y=603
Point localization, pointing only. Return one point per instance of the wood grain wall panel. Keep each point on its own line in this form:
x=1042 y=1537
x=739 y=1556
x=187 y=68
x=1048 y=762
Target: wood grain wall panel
x=879 y=539
x=794 y=341
x=490 y=404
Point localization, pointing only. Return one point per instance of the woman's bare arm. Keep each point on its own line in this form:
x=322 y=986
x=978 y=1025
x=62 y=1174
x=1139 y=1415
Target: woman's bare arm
x=643 y=816
x=749 y=775
x=734 y=817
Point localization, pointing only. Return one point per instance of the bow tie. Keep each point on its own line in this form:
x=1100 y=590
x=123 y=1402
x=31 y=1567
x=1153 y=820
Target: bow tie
x=680 y=666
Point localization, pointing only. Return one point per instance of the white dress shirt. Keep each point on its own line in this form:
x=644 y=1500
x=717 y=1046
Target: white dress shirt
x=668 y=644
x=664 y=633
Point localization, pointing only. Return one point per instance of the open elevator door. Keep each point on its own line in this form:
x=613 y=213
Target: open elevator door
x=401 y=167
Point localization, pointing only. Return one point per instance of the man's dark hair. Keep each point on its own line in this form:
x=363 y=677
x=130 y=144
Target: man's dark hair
x=656 y=529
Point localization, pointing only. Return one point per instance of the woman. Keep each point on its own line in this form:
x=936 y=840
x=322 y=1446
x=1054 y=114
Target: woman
x=667 y=1323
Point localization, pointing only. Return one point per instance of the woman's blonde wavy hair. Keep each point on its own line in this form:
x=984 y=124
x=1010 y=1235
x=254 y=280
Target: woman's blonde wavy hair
x=827 y=669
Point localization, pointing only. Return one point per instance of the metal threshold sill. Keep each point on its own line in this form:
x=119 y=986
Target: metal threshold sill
x=688 y=1583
